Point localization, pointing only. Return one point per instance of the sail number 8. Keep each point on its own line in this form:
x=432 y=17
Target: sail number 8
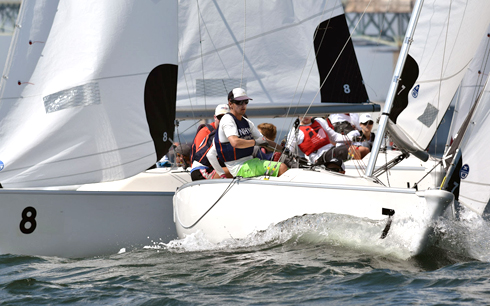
x=28 y=223
x=347 y=88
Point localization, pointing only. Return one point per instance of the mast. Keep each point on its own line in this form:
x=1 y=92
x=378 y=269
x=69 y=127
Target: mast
x=394 y=85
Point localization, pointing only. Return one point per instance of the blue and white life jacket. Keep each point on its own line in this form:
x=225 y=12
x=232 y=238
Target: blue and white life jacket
x=226 y=151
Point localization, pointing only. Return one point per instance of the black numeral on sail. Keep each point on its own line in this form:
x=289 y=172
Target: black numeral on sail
x=28 y=216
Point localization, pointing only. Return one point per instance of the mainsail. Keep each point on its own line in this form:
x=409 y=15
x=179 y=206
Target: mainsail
x=281 y=52
x=446 y=38
x=87 y=91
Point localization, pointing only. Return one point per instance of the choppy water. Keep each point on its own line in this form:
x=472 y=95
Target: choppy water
x=296 y=262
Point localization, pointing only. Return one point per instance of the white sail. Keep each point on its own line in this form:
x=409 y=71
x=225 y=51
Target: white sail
x=472 y=83
x=268 y=48
x=475 y=187
x=445 y=40
x=83 y=91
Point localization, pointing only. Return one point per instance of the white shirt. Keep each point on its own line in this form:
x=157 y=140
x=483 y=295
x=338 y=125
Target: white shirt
x=227 y=127
x=294 y=140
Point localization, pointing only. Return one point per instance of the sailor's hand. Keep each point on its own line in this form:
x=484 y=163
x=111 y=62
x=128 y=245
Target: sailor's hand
x=261 y=142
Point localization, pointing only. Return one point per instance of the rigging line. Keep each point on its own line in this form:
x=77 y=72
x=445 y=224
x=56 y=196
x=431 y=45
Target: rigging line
x=358 y=163
x=244 y=39
x=316 y=53
x=386 y=162
x=82 y=156
x=484 y=65
x=306 y=62
x=301 y=75
x=477 y=90
x=199 y=16
x=194 y=124
x=442 y=70
x=261 y=35
x=186 y=84
x=378 y=40
x=437 y=164
x=341 y=51
x=215 y=49
x=178 y=134
x=464 y=139
x=360 y=166
x=78 y=173
x=233 y=181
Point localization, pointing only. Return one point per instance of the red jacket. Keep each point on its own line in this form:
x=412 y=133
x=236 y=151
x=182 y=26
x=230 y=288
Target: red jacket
x=315 y=137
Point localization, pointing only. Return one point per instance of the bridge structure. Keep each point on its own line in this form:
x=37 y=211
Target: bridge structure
x=8 y=15
x=382 y=22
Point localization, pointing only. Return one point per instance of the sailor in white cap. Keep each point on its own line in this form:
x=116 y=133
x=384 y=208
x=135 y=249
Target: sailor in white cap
x=235 y=140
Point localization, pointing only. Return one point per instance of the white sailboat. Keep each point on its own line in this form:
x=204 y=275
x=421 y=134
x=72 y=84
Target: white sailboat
x=87 y=95
x=439 y=44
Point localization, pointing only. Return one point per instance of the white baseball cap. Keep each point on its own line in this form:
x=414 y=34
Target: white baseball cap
x=221 y=109
x=365 y=118
x=238 y=94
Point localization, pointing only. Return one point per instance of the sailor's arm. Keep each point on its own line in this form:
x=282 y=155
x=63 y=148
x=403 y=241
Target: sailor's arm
x=240 y=143
x=212 y=156
x=332 y=135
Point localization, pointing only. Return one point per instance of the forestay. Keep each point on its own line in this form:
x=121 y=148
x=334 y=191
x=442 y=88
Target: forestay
x=270 y=48
x=86 y=90
x=446 y=38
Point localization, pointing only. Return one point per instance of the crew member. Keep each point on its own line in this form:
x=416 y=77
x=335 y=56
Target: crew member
x=201 y=167
x=235 y=140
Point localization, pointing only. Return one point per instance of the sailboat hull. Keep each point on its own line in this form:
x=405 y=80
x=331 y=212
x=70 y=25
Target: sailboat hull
x=235 y=209
x=82 y=223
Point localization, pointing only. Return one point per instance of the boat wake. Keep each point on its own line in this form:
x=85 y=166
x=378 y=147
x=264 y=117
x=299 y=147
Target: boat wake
x=360 y=235
x=456 y=240
x=467 y=236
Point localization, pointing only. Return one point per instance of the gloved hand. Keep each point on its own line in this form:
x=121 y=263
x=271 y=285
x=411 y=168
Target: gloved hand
x=223 y=176
x=261 y=142
x=276 y=156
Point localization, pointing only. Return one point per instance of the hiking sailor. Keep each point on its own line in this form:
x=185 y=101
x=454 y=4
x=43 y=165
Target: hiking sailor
x=235 y=140
x=317 y=140
x=201 y=168
x=363 y=140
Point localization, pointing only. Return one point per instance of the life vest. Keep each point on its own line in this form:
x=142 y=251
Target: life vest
x=315 y=137
x=202 y=143
x=226 y=151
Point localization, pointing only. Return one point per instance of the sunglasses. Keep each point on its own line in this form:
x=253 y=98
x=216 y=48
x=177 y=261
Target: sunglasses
x=369 y=122
x=240 y=102
x=220 y=116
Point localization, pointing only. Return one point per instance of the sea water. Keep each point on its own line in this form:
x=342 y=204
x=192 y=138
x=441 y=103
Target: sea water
x=305 y=260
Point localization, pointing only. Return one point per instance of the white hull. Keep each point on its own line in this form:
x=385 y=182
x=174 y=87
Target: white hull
x=252 y=205
x=102 y=218
x=158 y=179
x=96 y=219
